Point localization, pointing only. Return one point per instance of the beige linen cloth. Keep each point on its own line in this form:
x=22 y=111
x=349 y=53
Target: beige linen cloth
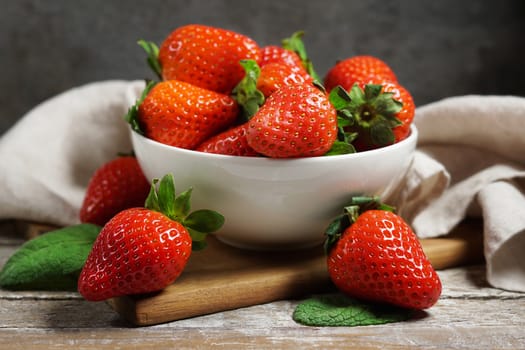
x=470 y=161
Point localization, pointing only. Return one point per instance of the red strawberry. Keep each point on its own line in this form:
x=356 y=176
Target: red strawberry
x=230 y=142
x=357 y=69
x=117 y=185
x=143 y=250
x=275 y=75
x=295 y=121
x=374 y=255
x=205 y=56
x=183 y=115
x=278 y=54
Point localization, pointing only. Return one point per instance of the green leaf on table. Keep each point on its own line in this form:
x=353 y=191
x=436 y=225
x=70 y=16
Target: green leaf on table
x=52 y=261
x=338 y=310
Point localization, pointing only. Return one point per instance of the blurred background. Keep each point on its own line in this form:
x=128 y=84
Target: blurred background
x=437 y=48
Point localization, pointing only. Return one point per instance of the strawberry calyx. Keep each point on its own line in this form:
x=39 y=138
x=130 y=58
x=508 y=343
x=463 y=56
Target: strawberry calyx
x=340 y=99
x=351 y=212
x=296 y=44
x=132 y=116
x=246 y=93
x=199 y=223
x=152 y=51
x=369 y=112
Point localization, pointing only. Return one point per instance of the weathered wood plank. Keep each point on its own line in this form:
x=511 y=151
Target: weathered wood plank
x=469 y=315
x=269 y=326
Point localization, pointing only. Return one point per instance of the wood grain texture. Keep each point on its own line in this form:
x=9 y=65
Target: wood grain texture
x=469 y=315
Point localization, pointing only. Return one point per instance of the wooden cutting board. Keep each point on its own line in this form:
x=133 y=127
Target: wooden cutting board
x=223 y=278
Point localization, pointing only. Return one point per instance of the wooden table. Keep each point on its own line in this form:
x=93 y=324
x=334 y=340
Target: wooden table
x=469 y=315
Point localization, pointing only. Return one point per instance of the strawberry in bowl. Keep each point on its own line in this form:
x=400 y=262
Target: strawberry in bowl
x=276 y=153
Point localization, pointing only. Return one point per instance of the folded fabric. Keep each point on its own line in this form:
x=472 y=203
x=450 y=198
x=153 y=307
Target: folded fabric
x=48 y=156
x=469 y=161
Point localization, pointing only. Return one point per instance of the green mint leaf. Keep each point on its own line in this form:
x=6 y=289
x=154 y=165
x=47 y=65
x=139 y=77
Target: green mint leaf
x=52 y=261
x=338 y=310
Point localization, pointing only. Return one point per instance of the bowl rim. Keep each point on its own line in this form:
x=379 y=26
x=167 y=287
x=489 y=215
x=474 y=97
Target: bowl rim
x=411 y=138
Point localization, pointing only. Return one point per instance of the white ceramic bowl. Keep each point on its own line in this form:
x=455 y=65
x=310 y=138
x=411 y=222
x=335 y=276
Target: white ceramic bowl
x=276 y=204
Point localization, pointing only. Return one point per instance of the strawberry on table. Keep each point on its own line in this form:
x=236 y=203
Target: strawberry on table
x=145 y=249
x=295 y=121
x=181 y=114
x=204 y=56
x=117 y=185
x=374 y=255
x=357 y=69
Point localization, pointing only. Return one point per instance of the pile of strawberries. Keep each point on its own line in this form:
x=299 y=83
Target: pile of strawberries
x=220 y=92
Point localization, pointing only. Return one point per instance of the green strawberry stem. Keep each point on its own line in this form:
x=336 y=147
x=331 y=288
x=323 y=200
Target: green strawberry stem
x=364 y=113
x=340 y=99
x=356 y=207
x=296 y=44
x=132 y=116
x=152 y=51
x=369 y=112
x=162 y=198
x=246 y=93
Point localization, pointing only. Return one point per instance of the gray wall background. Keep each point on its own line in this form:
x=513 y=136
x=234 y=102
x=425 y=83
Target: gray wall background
x=437 y=48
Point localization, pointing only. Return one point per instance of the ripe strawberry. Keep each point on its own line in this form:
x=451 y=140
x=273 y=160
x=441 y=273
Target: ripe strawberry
x=275 y=75
x=143 y=250
x=278 y=54
x=230 y=142
x=117 y=185
x=180 y=114
x=204 y=56
x=295 y=121
x=374 y=255
x=357 y=69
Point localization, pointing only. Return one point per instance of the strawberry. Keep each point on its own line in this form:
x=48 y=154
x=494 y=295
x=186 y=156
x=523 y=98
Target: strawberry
x=181 y=114
x=204 y=56
x=278 y=54
x=117 y=185
x=374 y=255
x=295 y=121
x=357 y=69
x=145 y=249
x=230 y=142
x=275 y=75
x=378 y=114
